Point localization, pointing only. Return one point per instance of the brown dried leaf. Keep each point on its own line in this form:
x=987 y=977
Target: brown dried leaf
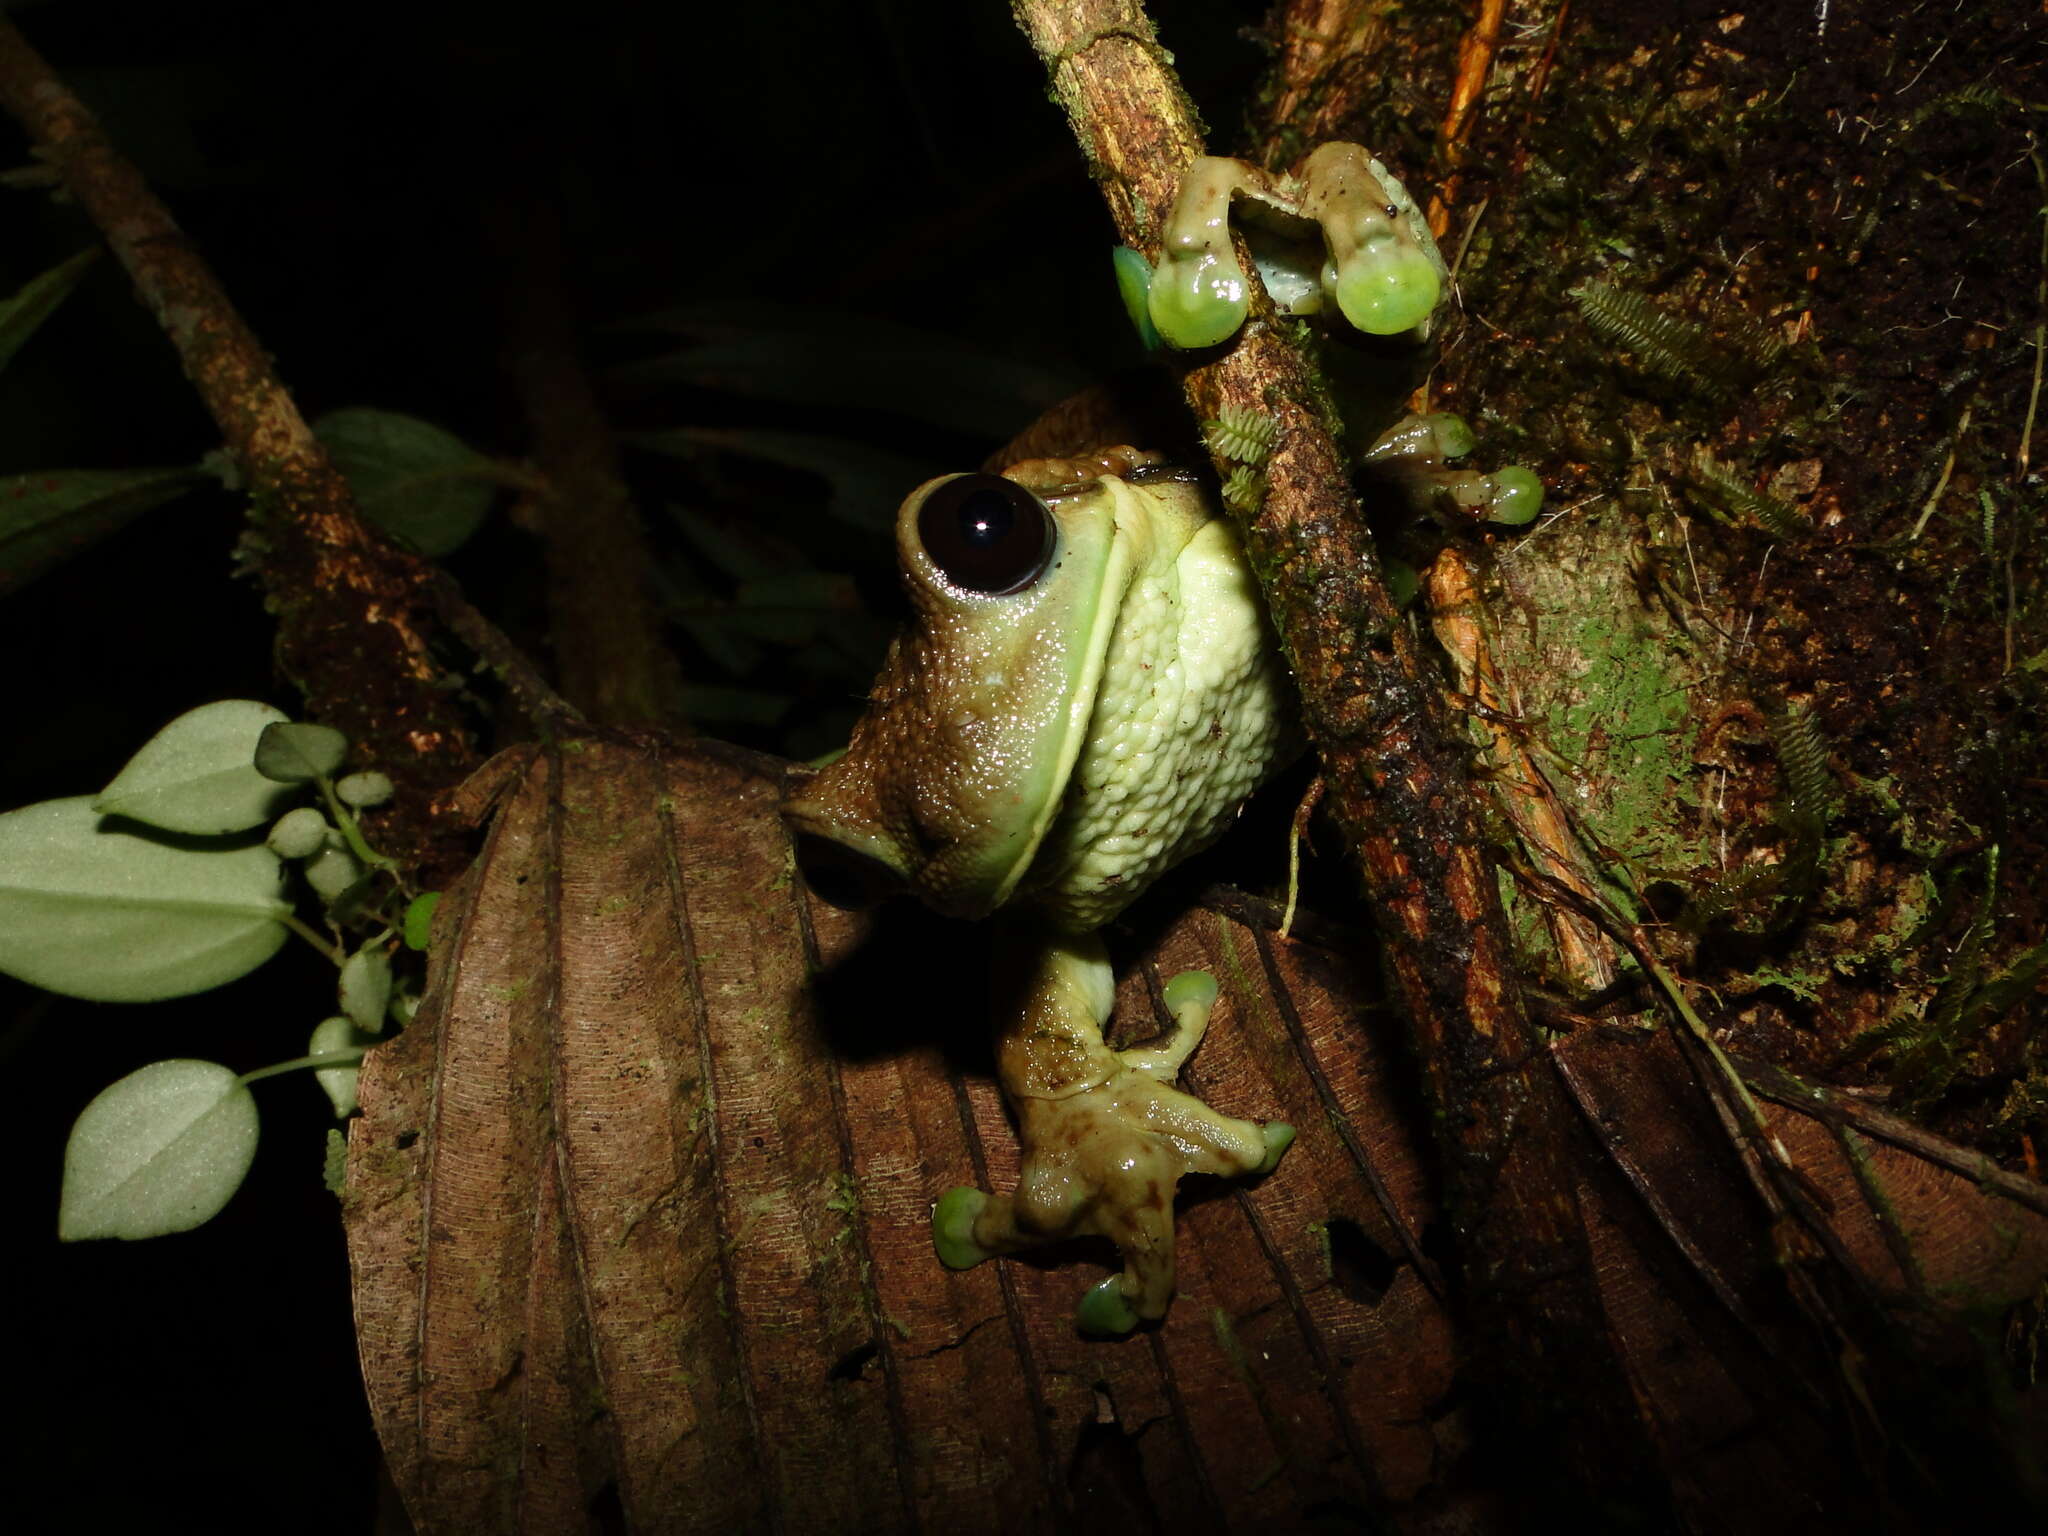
x=634 y=1243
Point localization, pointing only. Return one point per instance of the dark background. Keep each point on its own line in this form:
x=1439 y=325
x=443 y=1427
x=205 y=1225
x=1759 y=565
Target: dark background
x=358 y=177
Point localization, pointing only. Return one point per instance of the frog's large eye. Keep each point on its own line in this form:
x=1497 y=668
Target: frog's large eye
x=985 y=533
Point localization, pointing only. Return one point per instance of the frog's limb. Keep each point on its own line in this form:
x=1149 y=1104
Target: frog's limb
x=1384 y=272
x=1198 y=295
x=1411 y=455
x=1345 y=232
x=1106 y=1138
x=1188 y=997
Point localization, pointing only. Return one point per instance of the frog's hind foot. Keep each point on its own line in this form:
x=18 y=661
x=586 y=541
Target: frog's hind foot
x=1105 y=1161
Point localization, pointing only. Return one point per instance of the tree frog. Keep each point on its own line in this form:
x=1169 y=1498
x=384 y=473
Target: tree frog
x=1087 y=691
x=1085 y=695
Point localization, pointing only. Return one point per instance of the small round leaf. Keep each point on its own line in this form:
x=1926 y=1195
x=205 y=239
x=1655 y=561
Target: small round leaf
x=160 y=1151
x=298 y=834
x=419 y=919
x=331 y=872
x=366 y=989
x=299 y=754
x=196 y=774
x=95 y=911
x=363 y=790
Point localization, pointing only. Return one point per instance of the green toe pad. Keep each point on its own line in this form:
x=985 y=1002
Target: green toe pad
x=1197 y=301
x=1279 y=1136
x=1104 y=1311
x=1386 y=288
x=1190 y=988
x=953 y=1227
x=1517 y=497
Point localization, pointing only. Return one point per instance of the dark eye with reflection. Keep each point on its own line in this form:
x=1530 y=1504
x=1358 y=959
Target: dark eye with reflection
x=986 y=534
x=841 y=877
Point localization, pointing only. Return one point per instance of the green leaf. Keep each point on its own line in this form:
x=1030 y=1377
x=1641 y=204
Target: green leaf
x=37 y=299
x=360 y=791
x=366 y=989
x=95 y=911
x=419 y=920
x=333 y=873
x=338 y=1083
x=47 y=517
x=334 y=1166
x=160 y=1151
x=299 y=753
x=198 y=773
x=422 y=485
x=298 y=834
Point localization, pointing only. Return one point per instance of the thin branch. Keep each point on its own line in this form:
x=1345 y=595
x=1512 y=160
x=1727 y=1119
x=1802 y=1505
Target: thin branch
x=348 y=602
x=1391 y=754
x=1835 y=1109
x=1475 y=62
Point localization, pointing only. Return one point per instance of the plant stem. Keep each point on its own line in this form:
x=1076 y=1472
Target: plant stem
x=307 y=932
x=351 y=830
x=348 y=1056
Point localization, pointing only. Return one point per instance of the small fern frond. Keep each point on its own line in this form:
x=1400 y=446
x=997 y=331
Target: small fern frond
x=1244 y=490
x=1666 y=346
x=1739 y=499
x=1241 y=436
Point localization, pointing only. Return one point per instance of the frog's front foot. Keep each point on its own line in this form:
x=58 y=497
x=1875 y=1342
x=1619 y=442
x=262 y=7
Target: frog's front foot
x=1104 y=1150
x=1342 y=234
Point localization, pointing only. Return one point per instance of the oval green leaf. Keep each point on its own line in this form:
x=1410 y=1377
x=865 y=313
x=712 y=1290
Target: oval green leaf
x=298 y=834
x=95 y=911
x=366 y=989
x=198 y=774
x=332 y=873
x=361 y=791
x=420 y=484
x=160 y=1151
x=298 y=754
x=338 y=1083
x=419 y=920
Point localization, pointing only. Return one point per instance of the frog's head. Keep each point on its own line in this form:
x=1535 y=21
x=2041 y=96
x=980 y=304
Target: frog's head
x=962 y=761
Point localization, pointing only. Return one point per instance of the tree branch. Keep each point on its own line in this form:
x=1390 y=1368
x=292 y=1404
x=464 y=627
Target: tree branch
x=349 y=604
x=1394 y=763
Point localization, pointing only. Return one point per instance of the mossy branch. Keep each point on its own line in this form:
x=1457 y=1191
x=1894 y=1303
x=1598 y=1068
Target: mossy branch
x=1393 y=761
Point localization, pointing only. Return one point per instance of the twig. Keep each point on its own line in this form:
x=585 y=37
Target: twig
x=2024 y=457
x=1834 y=1108
x=531 y=693
x=348 y=602
x=606 y=637
x=1475 y=63
x=1394 y=762
x=1948 y=468
x=1648 y=1193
